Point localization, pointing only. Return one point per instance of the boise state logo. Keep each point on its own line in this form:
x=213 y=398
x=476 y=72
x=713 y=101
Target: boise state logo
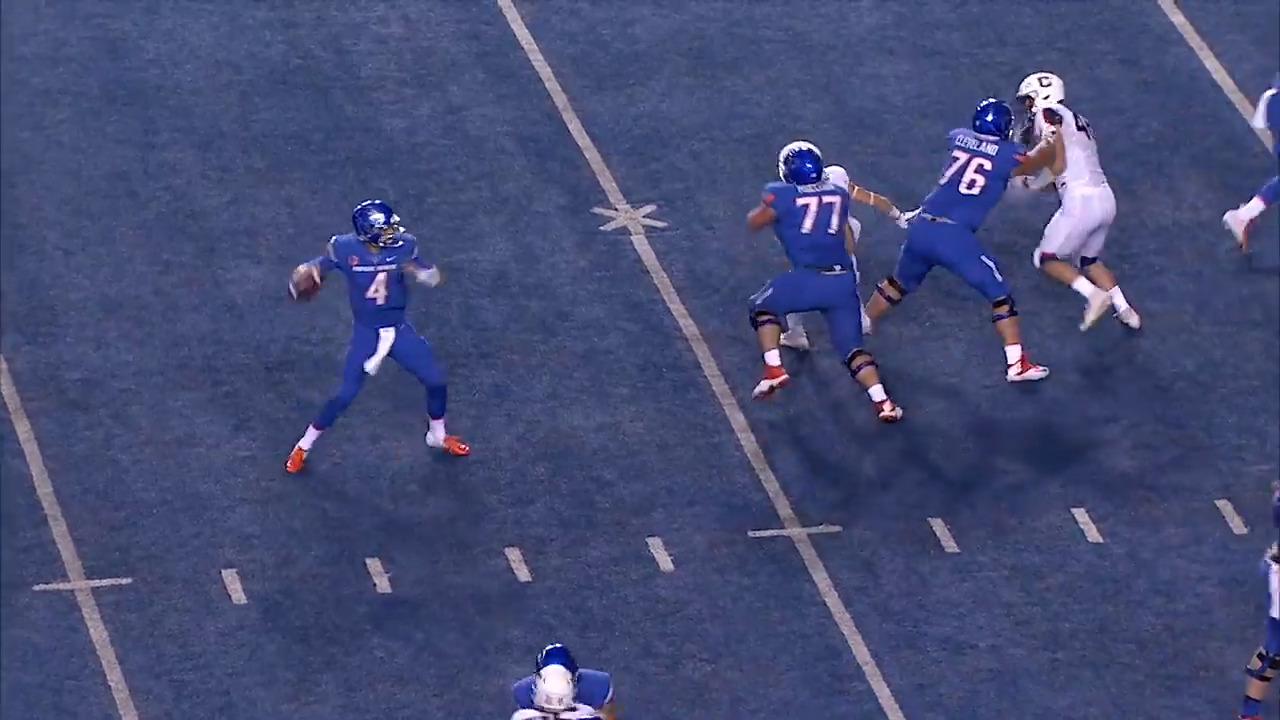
x=353 y=260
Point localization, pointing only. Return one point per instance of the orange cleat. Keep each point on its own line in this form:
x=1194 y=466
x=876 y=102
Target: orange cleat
x=774 y=377
x=297 y=460
x=451 y=444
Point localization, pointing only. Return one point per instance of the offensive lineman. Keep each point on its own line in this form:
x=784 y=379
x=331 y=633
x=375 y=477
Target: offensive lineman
x=810 y=215
x=1239 y=219
x=1264 y=666
x=942 y=231
x=1078 y=230
x=376 y=260
x=795 y=336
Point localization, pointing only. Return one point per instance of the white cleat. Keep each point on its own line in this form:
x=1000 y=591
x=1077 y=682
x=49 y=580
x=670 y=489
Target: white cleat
x=1129 y=317
x=795 y=339
x=1234 y=221
x=1095 y=308
x=1025 y=371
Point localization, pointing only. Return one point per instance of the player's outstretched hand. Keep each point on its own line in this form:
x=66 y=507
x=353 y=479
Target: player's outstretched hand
x=905 y=218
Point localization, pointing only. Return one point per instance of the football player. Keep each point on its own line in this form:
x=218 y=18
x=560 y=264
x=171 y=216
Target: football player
x=1077 y=232
x=943 y=230
x=377 y=259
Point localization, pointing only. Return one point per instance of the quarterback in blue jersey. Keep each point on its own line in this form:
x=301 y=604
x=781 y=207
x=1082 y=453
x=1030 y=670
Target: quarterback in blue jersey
x=942 y=231
x=810 y=215
x=376 y=260
x=1267 y=116
x=559 y=685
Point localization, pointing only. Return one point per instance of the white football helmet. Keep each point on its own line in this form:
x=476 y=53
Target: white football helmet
x=1041 y=88
x=553 y=689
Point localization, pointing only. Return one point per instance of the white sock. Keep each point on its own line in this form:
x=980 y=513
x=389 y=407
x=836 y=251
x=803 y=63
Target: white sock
x=1253 y=208
x=877 y=394
x=773 y=358
x=1012 y=353
x=1082 y=285
x=436 y=428
x=1118 y=299
x=794 y=323
x=309 y=438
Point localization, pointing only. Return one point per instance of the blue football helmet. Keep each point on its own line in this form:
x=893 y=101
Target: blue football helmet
x=993 y=118
x=800 y=163
x=557 y=654
x=376 y=223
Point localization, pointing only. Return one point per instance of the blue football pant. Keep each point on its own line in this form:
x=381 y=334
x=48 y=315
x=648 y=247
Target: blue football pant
x=931 y=244
x=410 y=350
x=834 y=295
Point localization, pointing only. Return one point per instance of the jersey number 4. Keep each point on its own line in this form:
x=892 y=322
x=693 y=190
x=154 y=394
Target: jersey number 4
x=974 y=177
x=377 y=291
x=811 y=203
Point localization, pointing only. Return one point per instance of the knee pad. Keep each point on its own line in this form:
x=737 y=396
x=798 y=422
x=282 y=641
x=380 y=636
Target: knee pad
x=859 y=360
x=1264 y=666
x=1087 y=261
x=891 y=283
x=1003 y=309
x=760 y=318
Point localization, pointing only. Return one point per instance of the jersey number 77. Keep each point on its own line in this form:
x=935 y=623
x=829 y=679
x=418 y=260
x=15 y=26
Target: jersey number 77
x=975 y=172
x=811 y=204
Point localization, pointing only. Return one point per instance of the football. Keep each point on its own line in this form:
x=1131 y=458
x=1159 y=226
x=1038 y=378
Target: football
x=305 y=282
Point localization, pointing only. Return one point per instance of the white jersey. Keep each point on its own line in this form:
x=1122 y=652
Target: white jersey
x=1083 y=169
x=579 y=712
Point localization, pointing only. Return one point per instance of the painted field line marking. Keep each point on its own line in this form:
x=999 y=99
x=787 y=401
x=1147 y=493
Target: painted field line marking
x=515 y=559
x=381 y=580
x=660 y=554
x=83 y=584
x=1086 y=525
x=66 y=547
x=1215 y=68
x=944 y=535
x=710 y=369
x=231 y=580
x=792 y=532
x=1234 y=521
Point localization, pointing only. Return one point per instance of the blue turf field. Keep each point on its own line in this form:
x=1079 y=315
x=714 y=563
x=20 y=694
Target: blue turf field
x=165 y=164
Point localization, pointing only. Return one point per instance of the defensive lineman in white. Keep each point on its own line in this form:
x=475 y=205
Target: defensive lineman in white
x=795 y=336
x=1077 y=232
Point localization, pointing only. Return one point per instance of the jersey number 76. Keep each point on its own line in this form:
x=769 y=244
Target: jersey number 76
x=975 y=172
x=811 y=203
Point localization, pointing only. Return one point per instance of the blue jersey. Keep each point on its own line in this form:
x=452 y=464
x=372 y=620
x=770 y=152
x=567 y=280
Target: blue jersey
x=376 y=284
x=975 y=178
x=594 y=688
x=810 y=222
